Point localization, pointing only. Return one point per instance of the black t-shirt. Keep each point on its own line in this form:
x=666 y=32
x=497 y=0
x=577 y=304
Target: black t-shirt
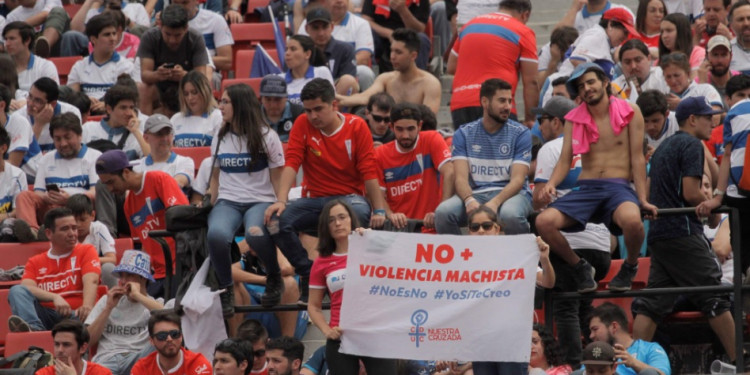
x=420 y=10
x=190 y=54
x=680 y=155
x=341 y=58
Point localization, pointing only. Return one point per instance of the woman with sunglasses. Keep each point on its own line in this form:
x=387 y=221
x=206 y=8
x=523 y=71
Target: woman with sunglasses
x=327 y=275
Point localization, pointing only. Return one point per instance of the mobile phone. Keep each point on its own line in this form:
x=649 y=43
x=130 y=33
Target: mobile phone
x=53 y=187
x=169 y=65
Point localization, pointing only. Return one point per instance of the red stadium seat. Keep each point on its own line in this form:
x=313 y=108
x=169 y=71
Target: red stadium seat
x=4 y=314
x=19 y=341
x=250 y=15
x=72 y=9
x=122 y=244
x=247 y=35
x=198 y=154
x=16 y=254
x=64 y=65
x=254 y=83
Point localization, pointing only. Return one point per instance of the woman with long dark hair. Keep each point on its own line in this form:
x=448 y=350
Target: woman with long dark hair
x=337 y=220
x=648 y=21
x=545 y=352
x=199 y=118
x=304 y=62
x=244 y=182
x=677 y=36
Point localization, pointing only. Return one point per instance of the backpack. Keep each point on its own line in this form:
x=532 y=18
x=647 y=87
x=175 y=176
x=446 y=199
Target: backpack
x=27 y=361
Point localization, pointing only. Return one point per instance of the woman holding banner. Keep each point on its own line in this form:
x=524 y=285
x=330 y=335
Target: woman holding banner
x=483 y=222
x=328 y=273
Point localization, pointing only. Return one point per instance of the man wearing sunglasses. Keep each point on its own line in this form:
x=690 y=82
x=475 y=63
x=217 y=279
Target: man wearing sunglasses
x=378 y=116
x=170 y=357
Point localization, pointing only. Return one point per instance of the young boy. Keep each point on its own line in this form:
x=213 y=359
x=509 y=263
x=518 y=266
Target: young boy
x=95 y=233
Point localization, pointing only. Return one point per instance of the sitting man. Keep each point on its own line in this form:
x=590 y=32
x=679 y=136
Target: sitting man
x=491 y=159
x=47 y=17
x=165 y=332
x=23 y=150
x=71 y=344
x=41 y=105
x=96 y=74
x=121 y=125
x=252 y=331
x=378 y=116
x=119 y=320
x=58 y=284
x=339 y=54
x=233 y=357
x=159 y=134
x=18 y=38
x=285 y=356
x=95 y=233
x=411 y=169
x=280 y=113
x=67 y=170
x=407 y=82
x=12 y=183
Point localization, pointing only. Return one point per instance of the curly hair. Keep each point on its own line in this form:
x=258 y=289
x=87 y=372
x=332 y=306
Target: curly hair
x=551 y=346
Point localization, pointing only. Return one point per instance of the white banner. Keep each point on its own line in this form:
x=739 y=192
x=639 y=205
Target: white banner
x=430 y=297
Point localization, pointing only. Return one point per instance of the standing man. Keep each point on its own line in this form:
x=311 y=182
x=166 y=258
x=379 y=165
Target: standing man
x=335 y=151
x=676 y=173
x=411 y=169
x=149 y=195
x=58 y=284
x=284 y=356
x=602 y=130
x=165 y=332
x=491 y=159
x=512 y=52
x=71 y=345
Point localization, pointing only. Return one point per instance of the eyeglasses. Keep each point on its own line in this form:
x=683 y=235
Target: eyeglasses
x=377 y=118
x=259 y=352
x=162 y=336
x=487 y=225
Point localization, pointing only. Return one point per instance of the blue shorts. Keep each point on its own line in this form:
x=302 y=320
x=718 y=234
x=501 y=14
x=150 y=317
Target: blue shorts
x=595 y=200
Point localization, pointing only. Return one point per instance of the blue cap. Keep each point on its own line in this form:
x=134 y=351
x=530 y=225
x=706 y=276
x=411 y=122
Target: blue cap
x=577 y=73
x=696 y=105
x=136 y=262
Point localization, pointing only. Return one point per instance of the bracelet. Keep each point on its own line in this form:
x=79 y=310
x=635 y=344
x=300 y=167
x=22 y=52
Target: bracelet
x=718 y=192
x=379 y=211
x=469 y=199
x=234 y=9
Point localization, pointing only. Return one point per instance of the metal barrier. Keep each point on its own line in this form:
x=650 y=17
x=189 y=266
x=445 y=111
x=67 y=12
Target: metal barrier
x=737 y=288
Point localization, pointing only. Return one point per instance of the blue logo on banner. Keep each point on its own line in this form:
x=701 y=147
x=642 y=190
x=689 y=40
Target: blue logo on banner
x=418 y=318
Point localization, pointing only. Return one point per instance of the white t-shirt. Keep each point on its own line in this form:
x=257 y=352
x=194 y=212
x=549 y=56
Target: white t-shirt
x=670 y=127
x=196 y=131
x=12 y=183
x=236 y=182
x=75 y=175
x=727 y=268
x=96 y=79
x=135 y=12
x=595 y=236
x=37 y=67
x=294 y=85
x=93 y=130
x=585 y=20
x=467 y=10
x=22 y=13
x=740 y=58
x=690 y=8
x=22 y=139
x=703 y=89
x=200 y=185
x=175 y=165
x=353 y=29
x=45 y=139
x=214 y=29
x=101 y=239
x=591 y=45
x=126 y=330
x=654 y=81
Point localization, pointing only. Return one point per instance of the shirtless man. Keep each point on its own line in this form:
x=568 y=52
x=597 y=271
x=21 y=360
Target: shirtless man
x=605 y=128
x=406 y=83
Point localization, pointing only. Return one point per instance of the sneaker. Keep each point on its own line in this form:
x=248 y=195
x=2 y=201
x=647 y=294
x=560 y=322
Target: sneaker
x=304 y=289
x=42 y=47
x=624 y=278
x=23 y=232
x=274 y=289
x=227 y=302
x=17 y=324
x=584 y=275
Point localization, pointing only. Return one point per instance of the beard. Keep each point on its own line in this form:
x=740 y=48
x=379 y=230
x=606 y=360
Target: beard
x=498 y=118
x=720 y=71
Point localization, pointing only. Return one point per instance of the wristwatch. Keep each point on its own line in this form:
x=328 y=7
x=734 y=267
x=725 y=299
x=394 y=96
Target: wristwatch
x=718 y=192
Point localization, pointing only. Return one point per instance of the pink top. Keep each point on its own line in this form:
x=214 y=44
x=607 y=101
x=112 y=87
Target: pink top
x=559 y=370
x=585 y=131
x=697 y=57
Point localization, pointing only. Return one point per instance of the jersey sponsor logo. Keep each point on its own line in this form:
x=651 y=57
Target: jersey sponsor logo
x=202 y=369
x=51 y=286
x=116 y=329
x=193 y=140
x=504 y=150
x=43 y=270
x=476 y=148
x=316 y=140
x=490 y=170
x=288 y=126
x=95 y=263
x=407 y=187
x=5 y=204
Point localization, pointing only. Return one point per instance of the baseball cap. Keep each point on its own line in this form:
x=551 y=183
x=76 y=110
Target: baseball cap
x=598 y=353
x=696 y=105
x=718 y=41
x=556 y=106
x=577 y=73
x=157 y=122
x=136 y=262
x=624 y=17
x=273 y=86
x=112 y=161
x=318 y=14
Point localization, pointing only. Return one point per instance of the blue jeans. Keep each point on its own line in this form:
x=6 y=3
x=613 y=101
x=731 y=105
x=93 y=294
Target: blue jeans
x=450 y=215
x=225 y=218
x=302 y=215
x=500 y=368
x=25 y=305
x=74 y=43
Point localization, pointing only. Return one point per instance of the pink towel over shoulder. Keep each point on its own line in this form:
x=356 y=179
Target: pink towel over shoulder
x=585 y=131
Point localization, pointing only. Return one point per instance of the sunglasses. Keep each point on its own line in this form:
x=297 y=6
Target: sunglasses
x=487 y=225
x=377 y=118
x=162 y=336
